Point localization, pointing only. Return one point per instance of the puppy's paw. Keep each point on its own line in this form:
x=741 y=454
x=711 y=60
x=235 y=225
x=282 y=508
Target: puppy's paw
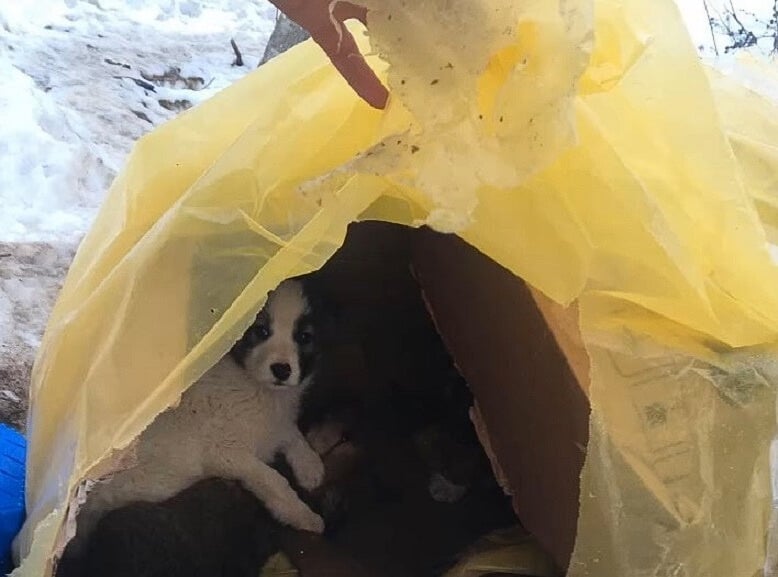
x=444 y=491
x=310 y=473
x=315 y=524
x=306 y=520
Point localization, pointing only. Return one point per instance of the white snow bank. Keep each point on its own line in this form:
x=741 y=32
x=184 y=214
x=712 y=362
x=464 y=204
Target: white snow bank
x=49 y=180
x=83 y=80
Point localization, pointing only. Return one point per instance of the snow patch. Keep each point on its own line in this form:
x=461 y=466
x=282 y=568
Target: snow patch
x=83 y=80
x=49 y=182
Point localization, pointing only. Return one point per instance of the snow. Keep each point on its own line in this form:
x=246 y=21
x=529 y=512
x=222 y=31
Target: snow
x=83 y=80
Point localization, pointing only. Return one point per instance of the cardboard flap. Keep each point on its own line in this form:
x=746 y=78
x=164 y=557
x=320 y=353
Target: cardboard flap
x=535 y=410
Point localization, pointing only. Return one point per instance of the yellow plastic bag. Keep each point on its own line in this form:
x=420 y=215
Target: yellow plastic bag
x=751 y=125
x=505 y=552
x=605 y=177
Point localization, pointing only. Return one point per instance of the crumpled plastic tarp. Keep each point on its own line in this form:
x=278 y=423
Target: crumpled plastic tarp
x=580 y=144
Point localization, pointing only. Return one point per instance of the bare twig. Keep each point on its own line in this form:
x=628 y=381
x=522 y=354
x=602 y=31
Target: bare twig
x=238 y=56
x=750 y=37
x=743 y=28
x=740 y=35
x=774 y=26
x=734 y=15
x=710 y=25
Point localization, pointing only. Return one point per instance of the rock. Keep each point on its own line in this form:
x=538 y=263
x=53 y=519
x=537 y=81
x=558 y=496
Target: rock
x=285 y=35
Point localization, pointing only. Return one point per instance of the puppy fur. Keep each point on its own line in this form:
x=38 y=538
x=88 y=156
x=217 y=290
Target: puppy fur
x=215 y=528
x=232 y=423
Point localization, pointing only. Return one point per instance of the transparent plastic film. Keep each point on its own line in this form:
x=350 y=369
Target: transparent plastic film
x=677 y=479
x=751 y=125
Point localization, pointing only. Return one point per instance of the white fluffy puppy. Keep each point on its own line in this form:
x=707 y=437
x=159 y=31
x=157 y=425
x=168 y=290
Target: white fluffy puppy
x=232 y=423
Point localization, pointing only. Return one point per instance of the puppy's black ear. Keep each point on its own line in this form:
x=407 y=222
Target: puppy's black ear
x=240 y=349
x=325 y=310
x=246 y=342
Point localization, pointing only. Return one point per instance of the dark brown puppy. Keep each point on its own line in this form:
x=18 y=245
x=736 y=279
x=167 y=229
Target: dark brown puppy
x=215 y=528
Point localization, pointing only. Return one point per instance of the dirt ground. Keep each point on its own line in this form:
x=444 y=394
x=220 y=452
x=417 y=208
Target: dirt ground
x=31 y=275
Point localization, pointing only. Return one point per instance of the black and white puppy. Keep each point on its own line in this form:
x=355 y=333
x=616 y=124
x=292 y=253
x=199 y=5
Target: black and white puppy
x=232 y=423
x=280 y=348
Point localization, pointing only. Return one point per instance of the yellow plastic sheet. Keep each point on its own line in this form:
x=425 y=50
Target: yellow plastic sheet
x=751 y=125
x=581 y=146
x=505 y=552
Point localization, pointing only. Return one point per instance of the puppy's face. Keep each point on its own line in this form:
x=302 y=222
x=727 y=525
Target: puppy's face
x=279 y=349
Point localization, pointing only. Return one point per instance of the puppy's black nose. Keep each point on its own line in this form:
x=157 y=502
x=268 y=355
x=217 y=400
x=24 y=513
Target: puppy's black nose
x=281 y=371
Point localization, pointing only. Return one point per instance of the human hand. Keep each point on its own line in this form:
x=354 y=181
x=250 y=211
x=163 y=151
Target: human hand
x=323 y=19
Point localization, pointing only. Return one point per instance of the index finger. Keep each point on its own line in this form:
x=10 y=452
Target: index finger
x=341 y=48
x=354 y=68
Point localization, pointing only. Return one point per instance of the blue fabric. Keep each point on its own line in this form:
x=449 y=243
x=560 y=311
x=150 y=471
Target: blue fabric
x=13 y=450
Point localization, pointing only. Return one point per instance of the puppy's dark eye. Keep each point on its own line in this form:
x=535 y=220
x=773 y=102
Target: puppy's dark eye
x=304 y=337
x=262 y=332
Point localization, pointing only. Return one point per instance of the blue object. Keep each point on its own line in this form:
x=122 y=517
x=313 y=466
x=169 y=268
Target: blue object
x=13 y=451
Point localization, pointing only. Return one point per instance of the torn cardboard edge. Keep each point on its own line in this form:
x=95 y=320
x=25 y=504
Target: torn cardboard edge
x=118 y=460
x=524 y=359
x=483 y=437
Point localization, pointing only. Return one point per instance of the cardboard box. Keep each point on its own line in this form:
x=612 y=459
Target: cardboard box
x=525 y=363
x=521 y=354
